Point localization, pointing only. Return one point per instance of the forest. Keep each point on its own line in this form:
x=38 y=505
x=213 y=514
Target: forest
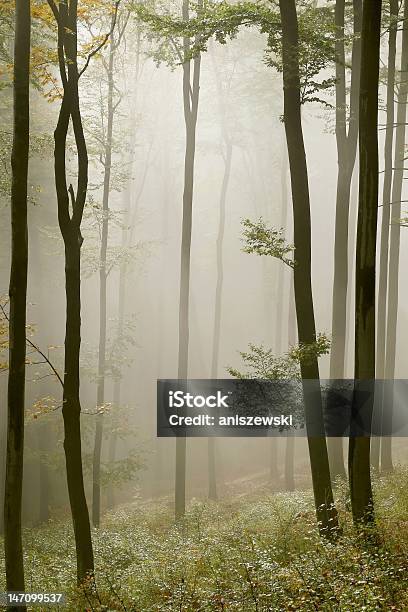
x=248 y=228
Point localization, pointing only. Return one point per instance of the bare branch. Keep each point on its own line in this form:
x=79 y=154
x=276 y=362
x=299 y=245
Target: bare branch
x=103 y=43
x=37 y=349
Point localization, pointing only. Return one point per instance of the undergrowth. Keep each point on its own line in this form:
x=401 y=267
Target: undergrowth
x=256 y=553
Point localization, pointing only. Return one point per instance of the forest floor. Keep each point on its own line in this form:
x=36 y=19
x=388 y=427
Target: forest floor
x=253 y=552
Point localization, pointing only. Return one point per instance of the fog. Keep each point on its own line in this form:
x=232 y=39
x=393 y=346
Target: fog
x=241 y=99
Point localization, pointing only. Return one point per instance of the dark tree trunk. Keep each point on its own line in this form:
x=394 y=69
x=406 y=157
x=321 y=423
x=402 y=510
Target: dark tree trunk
x=323 y=495
x=72 y=410
x=393 y=264
x=103 y=273
x=385 y=220
x=70 y=210
x=13 y=547
x=190 y=118
x=346 y=155
x=364 y=367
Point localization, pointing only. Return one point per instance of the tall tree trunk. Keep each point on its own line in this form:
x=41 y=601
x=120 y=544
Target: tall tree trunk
x=212 y=472
x=325 y=510
x=227 y=156
x=103 y=273
x=393 y=264
x=279 y=343
x=385 y=220
x=72 y=409
x=349 y=364
x=190 y=118
x=70 y=211
x=13 y=546
x=364 y=364
x=126 y=236
x=117 y=386
x=291 y=439
x=346 y=155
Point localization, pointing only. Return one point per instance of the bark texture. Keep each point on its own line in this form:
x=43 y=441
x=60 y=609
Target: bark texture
x=70 y=210
x=13 y=547
x=325 y=510
x=364 y=356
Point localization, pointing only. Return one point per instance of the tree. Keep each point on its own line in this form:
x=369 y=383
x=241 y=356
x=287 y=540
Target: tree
x=18 y=295
x=364 y=349
x=386 y=213
x=223 y=20
x=346 y=140
x=70 y=211
x=290 y=440
x=112 y=105
x=395 y=235
x=227 y=148
x=323 y=495
x=125 y=243
x=191 y=88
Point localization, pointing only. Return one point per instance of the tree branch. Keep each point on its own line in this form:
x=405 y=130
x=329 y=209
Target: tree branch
x=37 y=349
x=103 y=43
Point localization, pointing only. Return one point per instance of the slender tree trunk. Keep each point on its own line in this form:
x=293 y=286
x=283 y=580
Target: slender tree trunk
x=349 y=367
x=291 y=439
x=13 y=546
x=364 y=368
x=325 y=510
x=385 y=220
x=72 y=410
x=190 y=118
x=117 y=386
x=126 y=237
x=212 y=475
x=70 y=210
x=227 y=156
x=279 y=343
x=161 y=446
x=394 y=247
x=282 y=270
x=103 y=274
x=346 y=154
